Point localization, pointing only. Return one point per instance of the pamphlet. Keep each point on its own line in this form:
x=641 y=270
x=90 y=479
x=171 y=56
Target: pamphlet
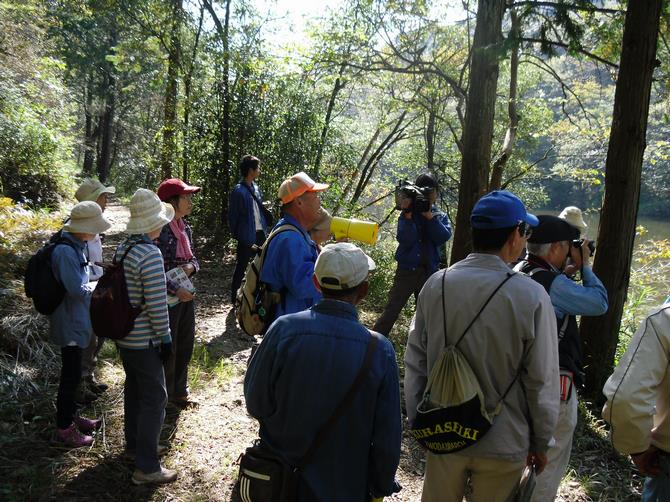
x=178 y=276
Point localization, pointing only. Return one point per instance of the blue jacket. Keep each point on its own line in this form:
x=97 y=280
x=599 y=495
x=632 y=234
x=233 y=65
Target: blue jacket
x=301 y=371
x=241 y=214
x=419 y=240
x=71 y=321
x=289 y=267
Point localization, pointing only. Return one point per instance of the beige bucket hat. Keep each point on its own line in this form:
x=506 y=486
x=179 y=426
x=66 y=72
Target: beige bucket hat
x=86 y=218
x=147 y=212
x=573 y=215
x=91 y=189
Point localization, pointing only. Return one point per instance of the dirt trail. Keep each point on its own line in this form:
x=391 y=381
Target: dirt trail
x=206 y=440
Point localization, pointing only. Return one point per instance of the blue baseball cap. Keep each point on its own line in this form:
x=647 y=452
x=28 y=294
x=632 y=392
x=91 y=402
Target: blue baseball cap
x=500 y=209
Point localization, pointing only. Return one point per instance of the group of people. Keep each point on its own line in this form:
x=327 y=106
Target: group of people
x=156 y=352
x=516 y=296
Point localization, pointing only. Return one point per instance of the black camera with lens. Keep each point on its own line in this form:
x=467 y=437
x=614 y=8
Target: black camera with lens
x=578 y=243
x=419 y=197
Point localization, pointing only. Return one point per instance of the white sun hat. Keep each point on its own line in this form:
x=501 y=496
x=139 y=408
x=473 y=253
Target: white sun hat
x=91 y=189
x=573 y=215
x=147 y=212
x=86 y=218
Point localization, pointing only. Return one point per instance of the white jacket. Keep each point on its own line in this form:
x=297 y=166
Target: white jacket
x=638 y=392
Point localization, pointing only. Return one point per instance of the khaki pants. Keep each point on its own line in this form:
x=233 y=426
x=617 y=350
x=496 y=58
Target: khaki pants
x=491 y=480
x=559 y=454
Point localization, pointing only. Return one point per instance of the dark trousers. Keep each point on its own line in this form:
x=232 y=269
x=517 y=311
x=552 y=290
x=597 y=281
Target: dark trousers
x=144 y=400
x=89 y=356
x=182 y=329
x=405 y=283
x=70 y=374
x=244 y=256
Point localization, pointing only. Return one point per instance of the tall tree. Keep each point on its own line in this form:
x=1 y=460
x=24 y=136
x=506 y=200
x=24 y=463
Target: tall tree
x=479 y=115
x=169 y=148
x=623 y=168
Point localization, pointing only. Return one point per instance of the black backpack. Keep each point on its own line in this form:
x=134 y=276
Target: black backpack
x=112 y=314
x=40 y=283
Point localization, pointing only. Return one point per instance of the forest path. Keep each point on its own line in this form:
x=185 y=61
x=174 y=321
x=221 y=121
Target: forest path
x=206 y=440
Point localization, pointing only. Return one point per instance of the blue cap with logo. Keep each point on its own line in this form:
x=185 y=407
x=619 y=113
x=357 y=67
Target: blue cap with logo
x=500 y=209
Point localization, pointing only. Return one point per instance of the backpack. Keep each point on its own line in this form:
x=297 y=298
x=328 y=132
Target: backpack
x=40 y=283
x=452 y=414
x=255 y=303
x=112 y=315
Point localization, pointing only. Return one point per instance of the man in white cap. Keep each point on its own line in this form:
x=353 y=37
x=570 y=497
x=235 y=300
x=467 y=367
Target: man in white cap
x=290 y=257
x=94 y=191
x=301 y=372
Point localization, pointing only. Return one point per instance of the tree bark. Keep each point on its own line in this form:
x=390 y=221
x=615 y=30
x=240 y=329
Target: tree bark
x=337 y=87
x=187 y=102
x=106 y=127
x=623 y=168
x=430 y=134
x=89 y=135
x=479 y=115
x=169 y=148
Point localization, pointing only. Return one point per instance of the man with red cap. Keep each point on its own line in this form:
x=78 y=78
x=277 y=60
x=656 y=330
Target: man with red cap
x=290 y=257
x=176 y=245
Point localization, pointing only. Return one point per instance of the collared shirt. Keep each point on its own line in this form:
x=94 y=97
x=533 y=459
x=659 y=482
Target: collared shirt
x=257 y=212
x=70 y=323
x=419 y=240
x=571 y=298
x=94 y=255
x=289 y=266
x=301 y=371
x=516 y=330
x=241 y=216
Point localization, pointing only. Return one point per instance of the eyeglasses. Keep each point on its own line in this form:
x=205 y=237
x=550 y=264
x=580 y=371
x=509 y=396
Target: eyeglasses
x=525 y=230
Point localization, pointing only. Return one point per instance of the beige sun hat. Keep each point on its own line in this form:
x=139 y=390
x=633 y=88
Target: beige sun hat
x=91 y=189
x=147 y=212
x=573 y=215
x=86 y=218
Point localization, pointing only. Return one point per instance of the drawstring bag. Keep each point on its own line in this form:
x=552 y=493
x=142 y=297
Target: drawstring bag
x=452 y=414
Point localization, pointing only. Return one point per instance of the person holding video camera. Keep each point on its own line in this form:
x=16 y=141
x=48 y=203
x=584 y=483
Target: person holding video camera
x=422 y=230
x=552 y=248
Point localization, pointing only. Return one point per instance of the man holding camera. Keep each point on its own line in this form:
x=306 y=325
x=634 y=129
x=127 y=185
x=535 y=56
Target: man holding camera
x=553 y=246
x=422 y=229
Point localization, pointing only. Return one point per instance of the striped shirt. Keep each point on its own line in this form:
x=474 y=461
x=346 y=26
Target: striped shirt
x=145 y=278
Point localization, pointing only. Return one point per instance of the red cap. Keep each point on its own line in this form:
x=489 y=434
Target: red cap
x=174 y=186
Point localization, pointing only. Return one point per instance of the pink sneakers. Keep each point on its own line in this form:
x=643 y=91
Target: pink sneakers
x=86 y=425
x=72 y=437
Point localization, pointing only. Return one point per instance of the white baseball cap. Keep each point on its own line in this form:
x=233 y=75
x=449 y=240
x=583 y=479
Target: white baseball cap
x=342 y=265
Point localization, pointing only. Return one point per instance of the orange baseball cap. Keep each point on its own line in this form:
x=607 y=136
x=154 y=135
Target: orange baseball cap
x=298 y=184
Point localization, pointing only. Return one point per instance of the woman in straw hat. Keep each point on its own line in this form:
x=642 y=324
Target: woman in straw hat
x=148 y=343
x=176 y=245
x=70 y=323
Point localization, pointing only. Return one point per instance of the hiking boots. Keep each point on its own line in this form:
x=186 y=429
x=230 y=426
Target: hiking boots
x=72 y=437
x=161 y=476
x=86 y=425
x=95 y=386
x=83 y=395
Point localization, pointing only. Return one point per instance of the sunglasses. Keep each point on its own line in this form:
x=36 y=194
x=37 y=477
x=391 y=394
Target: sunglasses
x=525 y=230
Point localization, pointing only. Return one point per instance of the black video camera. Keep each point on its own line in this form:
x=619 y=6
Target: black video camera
x=419 y=197
x=577 y=243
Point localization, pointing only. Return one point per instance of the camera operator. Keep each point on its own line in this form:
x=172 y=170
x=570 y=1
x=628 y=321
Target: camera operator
x=419 y=236
x=553 y=243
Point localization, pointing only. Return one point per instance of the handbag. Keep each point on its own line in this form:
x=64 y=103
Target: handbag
x=452 y=414
x=266 y=477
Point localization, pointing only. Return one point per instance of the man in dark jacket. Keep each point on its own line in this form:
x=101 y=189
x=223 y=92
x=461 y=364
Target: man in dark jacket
x=246 y=218
x=419 y=236
x=302 y=370
x=550 y=248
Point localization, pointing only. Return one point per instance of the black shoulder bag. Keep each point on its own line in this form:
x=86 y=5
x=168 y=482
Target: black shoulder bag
x=266 y=477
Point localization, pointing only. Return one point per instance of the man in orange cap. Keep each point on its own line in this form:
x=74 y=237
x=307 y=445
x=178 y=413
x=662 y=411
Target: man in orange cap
x=290 y=257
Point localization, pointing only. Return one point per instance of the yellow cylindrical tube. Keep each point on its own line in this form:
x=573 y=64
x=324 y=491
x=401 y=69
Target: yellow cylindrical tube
x=357 y=230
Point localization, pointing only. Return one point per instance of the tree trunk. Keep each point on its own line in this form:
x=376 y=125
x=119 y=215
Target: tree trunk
x=479 y=115
x=89 y=136
x=187 y=102
x=430 y=134
x=339 y=85
x=623 y=167
x=169 y=149
x=106 y=127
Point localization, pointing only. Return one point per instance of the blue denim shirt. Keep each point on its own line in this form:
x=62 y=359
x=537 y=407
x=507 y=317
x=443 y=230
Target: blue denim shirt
x=71 y=321
x=301 y=371
x=419 y=240
x=289 y=267
x=571 y=298
x=241 y=214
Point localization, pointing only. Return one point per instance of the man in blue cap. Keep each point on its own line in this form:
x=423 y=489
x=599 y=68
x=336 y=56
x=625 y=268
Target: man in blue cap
x=511 y=345
x=550 y=249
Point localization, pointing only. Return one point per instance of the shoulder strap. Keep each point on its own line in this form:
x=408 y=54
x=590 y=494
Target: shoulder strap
x=344 y=404
x=509 y=276
x=253 y=195
x=67 y=242
x=131 y=246
x=284 y=228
